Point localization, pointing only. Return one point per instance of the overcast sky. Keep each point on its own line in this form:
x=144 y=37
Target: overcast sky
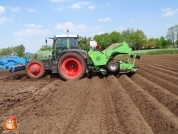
x=28 y=22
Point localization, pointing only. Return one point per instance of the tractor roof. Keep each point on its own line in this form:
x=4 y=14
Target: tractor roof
x=65 y=35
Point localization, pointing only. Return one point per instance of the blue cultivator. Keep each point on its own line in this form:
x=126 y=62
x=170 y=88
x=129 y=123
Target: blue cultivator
x=14 y=63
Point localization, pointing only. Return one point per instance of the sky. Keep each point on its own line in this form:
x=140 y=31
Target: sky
x=28 y=22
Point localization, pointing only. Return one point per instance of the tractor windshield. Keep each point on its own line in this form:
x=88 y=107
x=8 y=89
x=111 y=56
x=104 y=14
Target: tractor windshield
x=67 y=43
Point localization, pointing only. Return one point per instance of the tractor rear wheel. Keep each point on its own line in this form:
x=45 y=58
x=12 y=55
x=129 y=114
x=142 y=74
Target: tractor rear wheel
x=35 y=69
x=71 y=66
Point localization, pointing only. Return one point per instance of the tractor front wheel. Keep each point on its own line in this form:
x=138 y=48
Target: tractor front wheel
x=71 y=66
x=35 y=69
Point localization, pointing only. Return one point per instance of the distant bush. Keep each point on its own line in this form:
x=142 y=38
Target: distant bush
x=159 y=52
x=156 y=51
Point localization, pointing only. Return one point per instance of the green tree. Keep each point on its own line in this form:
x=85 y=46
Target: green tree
x=176 y=34
x=19 y=50
x=139 y=39
x=116 y=37
x=6 y=51
x=163 y=42
x=176 y=42
x=45 y=47
x=128 y=35
x=84 y=43
x=103 y=40
x=152 y=43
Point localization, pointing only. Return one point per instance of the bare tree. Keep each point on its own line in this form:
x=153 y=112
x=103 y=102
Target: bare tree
x=176 y=33
x=171 y=35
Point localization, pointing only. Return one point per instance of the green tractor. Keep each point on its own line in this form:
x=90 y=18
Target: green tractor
x=70 y=62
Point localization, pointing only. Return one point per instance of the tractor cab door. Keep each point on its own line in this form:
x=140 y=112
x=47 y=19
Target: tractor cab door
x=60 y=45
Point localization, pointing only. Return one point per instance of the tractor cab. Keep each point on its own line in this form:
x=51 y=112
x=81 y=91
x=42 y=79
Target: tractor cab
x=64 y=43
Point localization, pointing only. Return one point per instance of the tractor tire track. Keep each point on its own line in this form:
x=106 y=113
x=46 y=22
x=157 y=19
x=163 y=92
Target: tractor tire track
x=72 y=127
x=109 y=116
x=108 y=119
x=98 y=115
x=157 y=116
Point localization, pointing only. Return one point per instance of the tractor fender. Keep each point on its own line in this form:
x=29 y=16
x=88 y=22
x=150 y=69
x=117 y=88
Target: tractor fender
x=82 y=53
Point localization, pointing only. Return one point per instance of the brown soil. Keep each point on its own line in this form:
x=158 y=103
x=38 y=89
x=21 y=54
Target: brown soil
x=146 y=102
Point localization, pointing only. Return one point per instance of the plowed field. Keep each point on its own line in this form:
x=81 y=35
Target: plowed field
x=144 y=103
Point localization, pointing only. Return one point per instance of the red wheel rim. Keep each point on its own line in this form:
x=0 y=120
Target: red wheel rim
x=71 y=67
x=35 y=69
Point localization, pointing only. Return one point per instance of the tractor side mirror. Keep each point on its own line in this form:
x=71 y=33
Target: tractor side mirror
x=46 y=40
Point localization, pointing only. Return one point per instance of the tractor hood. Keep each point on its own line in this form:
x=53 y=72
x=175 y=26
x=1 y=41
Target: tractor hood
x=43 y=55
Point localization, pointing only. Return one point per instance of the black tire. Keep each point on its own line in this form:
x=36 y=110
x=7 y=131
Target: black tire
x=35 y=69
x=71 y=66
x=113 y=66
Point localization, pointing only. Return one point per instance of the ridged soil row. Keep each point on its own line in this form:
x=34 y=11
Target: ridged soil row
x=172 y=73
x=159 y=81
x=127 y=113
x=157 y=116
x=164 y=96
x=169 y=63
x=156 y=61
x=161 y=62
x=160 y=57
x=58 y=111
x=168 y=67
x=167 y=77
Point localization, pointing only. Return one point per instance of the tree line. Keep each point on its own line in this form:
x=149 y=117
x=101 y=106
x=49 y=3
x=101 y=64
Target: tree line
x=136 y=39
x=16 y=50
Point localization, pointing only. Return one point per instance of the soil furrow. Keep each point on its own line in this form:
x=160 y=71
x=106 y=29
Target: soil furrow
x=164 y=96
x=160 y=74
x=159 y=81
x=158 y=117
x=168 y=67
x=168 y=64
x=171 y=73
x=127 y=113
